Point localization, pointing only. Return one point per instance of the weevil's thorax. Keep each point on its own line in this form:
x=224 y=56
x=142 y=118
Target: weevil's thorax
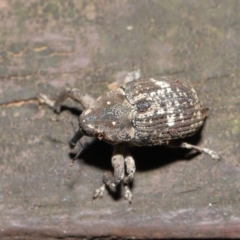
x=109 y=118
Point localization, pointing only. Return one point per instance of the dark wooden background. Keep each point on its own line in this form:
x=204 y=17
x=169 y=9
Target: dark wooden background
x=48 y=45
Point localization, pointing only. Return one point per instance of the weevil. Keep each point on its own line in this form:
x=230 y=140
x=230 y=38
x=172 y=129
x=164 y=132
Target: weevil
x=143 y=112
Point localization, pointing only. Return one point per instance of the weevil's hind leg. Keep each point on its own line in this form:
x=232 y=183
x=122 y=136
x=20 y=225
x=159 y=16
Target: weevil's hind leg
x=85 y=100
x=118 y=166
x=211 y=153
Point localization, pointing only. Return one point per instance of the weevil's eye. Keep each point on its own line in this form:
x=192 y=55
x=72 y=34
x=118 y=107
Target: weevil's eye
x=100 y=136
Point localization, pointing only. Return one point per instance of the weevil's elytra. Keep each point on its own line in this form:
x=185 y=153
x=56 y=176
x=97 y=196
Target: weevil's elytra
x=160 y=107
x=144 y=112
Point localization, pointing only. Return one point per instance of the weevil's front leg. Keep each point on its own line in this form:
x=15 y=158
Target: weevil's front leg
x=98 y=193
x=130 y=170
x=211 y=153
x=85 y=100
x=128 y=194
x=118 y=166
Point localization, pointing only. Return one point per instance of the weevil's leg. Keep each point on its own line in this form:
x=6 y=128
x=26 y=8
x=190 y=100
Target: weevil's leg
x=79 y=134
x=211 y=153
x=98 y=193
x=44 y=99
x=128 y=194
x=134 y=75
x=83 y=143
x=118 y=166
x=130 y=168
x=85 y=100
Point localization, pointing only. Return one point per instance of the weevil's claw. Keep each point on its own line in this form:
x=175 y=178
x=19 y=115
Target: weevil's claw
x=71 y=144
x=44 y=99
x=211 y=153
x=128 y=178
x=128 y=194
x=98 y=193
x=57 y=109
x=72 y=163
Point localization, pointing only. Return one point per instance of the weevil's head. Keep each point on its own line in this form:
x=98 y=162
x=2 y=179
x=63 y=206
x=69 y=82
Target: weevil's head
x=109 y=118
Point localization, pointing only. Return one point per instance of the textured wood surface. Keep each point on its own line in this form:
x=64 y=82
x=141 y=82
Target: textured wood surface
x=48 y=45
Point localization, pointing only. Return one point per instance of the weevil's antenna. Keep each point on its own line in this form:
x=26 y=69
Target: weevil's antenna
x=77 y=136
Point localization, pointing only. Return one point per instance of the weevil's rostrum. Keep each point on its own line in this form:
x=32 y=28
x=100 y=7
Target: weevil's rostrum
x=144 y=112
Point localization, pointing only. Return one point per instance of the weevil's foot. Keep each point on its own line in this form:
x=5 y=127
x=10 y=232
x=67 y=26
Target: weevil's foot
x=211 y=153
x=128 y=178
x=44 y=99
x=71 y=144
x=128 y=194
x=98 y=193
x=134 y=75
x=111 y=180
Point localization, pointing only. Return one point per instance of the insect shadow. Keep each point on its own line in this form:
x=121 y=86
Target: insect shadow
x=98 y=154
x=73 y=110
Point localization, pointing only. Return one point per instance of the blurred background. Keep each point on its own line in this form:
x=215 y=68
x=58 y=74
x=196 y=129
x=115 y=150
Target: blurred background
x=46 y=46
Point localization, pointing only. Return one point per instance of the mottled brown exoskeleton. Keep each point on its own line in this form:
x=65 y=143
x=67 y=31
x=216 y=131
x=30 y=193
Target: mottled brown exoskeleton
x=144 y=112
